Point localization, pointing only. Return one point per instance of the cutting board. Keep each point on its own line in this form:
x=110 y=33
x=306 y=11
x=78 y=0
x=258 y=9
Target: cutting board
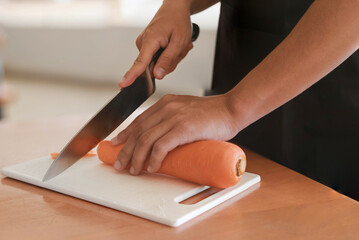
x=152 y=196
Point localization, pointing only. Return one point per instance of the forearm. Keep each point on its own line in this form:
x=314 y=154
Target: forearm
x=326 y=35
x=194 y=6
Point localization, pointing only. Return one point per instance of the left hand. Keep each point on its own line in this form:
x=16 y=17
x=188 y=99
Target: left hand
x=174 y=120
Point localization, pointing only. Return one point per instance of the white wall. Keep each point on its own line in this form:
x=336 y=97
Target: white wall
x=101 y=52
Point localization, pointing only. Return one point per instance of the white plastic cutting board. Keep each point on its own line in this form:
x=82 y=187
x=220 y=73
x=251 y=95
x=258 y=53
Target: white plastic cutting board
x=152 y=196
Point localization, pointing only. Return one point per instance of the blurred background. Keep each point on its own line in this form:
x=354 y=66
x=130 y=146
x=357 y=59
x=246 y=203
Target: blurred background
x=65 y=57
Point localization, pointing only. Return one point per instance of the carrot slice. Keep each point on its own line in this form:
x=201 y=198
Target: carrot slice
x=214 y=163
x=89 y=154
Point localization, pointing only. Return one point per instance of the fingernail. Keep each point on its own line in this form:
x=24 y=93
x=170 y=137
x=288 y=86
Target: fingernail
x=132 y=170
x=149 y=169
x=161 y=72
x=114 y=141
x=117 y=165
x=123 y=80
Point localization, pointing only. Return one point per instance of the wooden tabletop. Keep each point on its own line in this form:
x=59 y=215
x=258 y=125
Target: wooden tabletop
x=285 y=205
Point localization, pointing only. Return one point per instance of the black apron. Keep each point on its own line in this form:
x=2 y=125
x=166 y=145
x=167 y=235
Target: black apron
x=316 y=133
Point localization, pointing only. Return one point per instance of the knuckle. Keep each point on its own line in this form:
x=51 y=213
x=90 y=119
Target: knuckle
x=138 y=132
x=179 y=45
x=138 y=43
x=124 y=154
x=139 y=60
x=170 y=106
x=145 y=138
x=153 y=35
x=168 y=97
x=136 y=162
x=192 y=103
x=163 y=41
x=131 y=130
x=182 y=56
x=159 y=150
x=145 y=35
x=185 y=126
x=122 y=133
x=167 y=62
x=148 y=32
x=135 y=123
x=173 y=67
x=180 y=42
x=178 y=118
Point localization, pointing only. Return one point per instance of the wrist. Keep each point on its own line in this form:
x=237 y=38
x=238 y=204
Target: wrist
x=185 y=5
x=242 y=111
x=192 y=6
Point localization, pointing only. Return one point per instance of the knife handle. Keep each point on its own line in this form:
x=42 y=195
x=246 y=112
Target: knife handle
x=195 y=34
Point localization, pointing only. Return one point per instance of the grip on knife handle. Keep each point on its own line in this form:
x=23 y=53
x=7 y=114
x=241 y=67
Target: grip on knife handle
x=195 y=34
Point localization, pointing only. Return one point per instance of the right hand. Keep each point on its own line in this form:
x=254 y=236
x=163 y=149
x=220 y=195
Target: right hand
x=170 y=28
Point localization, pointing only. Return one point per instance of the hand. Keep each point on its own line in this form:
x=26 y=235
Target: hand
x=170 y=29
x=174 y=120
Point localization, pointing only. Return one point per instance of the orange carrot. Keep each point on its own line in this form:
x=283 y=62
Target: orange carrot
x=214 y=163
x=89 y=154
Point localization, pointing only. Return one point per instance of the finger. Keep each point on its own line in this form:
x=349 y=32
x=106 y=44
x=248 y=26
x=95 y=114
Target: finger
x=139 y=41
x=137 y=129
x=125 y=155
x=184 y=53
x=142 y=122
x=143 y=59
x=145 y=116
x=163 y=146
x=121 y=137
x=145 y=142
x=169 y=59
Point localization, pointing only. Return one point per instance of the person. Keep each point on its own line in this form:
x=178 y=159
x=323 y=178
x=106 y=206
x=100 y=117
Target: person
x=285 y=84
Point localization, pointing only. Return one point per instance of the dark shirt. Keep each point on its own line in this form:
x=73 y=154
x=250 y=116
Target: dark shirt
x=316 y=133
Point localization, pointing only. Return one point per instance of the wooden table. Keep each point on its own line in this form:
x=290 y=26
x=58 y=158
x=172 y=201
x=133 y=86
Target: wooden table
x=285 y=205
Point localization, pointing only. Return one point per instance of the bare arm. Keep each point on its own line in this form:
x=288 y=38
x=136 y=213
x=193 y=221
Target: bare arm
x=200 y=5
x=327 y=34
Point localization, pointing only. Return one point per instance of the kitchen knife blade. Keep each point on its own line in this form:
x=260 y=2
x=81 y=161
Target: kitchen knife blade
x=109 y=117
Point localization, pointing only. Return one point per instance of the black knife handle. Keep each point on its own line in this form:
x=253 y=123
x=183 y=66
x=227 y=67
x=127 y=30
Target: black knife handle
x=195 y=34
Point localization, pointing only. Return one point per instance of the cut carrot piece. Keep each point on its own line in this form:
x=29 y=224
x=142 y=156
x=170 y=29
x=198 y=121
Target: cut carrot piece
x=214 y=163
x=89 y=154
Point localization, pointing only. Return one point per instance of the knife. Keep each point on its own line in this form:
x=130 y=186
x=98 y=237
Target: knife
x=109 y=117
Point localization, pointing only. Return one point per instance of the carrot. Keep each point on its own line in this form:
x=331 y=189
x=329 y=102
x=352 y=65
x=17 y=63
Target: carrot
x=89 y=154
x=214 y=163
